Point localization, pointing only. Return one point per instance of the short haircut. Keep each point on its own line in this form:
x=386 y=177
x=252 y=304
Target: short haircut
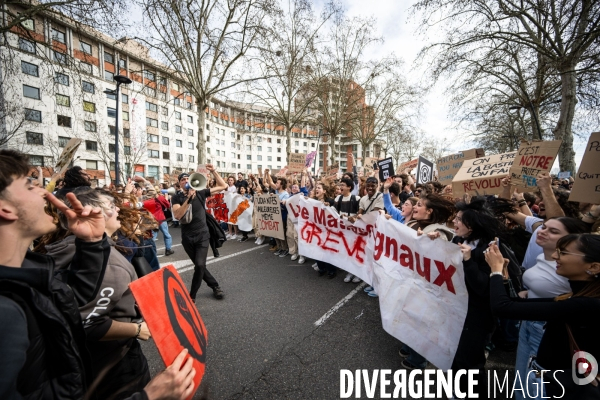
x=13 y=164
x=348 y=182
x=283 y=182
x=395 y=189
x=372 y=179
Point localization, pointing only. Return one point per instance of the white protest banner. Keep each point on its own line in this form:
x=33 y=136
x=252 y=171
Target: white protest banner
x=482 y=175
x=421 y=286
x=297 y=162
x=449 y=165
x=293 y=206
x=326 y=236
x=586 y=187
x=67 y=155
x=240 y=211
x=268 y=209
x=531 y=159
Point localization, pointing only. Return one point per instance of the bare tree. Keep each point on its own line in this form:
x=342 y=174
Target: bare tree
x=564 y=33
x=204 y=42
x=403 y=143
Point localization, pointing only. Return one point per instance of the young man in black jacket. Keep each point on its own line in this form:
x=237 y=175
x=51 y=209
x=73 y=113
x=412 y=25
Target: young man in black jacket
x=42 y=342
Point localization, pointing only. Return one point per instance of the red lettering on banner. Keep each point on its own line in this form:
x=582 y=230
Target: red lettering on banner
x=309 y=231
x=389 y=243
x=359 y=247
x=445 y=275
x=328 y=238
x=304 y=213
x=217 y=207
x=332 y=221
x=425 y=272
x=294 y=211
x=379 y=239
x=269 y=225
x=406 y=258
x=319 y=215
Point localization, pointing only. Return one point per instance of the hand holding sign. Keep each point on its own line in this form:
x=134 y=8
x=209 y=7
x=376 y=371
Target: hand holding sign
x=176 y=382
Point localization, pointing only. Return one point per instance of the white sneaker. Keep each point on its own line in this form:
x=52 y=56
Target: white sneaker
x=356 y=279
x=348 y=277
x=228 y=236
x=260 y=240
x=294 y=257
x=233 y=237
x=301 y=260
x=256 y=241
x=315 y=266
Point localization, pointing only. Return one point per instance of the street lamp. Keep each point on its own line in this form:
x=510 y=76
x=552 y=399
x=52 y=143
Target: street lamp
x=537 y=123
x=319 y=136
x=120 y=79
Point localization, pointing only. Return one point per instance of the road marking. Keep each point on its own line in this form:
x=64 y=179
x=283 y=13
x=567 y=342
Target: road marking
x=188 y=265
x=339 y=304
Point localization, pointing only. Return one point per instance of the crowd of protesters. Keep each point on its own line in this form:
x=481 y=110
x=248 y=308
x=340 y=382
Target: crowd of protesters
x=531 y=265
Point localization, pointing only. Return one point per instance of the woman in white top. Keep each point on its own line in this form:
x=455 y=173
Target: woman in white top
x=233 y=229
x=542 y=281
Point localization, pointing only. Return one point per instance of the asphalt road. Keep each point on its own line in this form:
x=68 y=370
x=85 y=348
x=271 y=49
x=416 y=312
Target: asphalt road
x=274 y=335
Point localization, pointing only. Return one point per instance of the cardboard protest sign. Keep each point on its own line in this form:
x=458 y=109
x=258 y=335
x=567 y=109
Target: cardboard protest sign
x=370 y=161
x=386 y=168
x=586 y=187
x=310 y=157
x=268 y=209
x=172 y=318
x=282 y=172
x=531 y=159
x=67 y=155
x=333 y=171
x=201 y=169
x=326 y=236
x=482 y=175
x=564 y=175
x=297 y=162
x=424 y=170
x=240 y=211
x=449 y=165
x=421 y=286
x=217 y=207
x=410 y=165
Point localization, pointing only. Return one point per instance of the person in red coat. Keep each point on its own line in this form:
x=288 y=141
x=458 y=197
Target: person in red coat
x=155 y=204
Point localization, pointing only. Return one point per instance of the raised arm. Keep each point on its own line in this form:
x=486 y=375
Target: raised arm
x=553 y=209
x=220 y=183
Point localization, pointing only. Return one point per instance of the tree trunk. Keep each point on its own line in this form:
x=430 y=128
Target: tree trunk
x=201 y=144
x=288 y=146
x=563 y=129
x=332 y=153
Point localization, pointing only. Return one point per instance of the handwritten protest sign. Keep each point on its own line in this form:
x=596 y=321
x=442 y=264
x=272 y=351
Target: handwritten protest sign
x=386 y=168
x=201 y=169
x=282 y=172
x=297 y=162
x=531 y=159
x=482 y=175
x=370 y=161
x=586 y=187
x=67 y=155
x=564 y=175
x=449 y=165
x=326 y=236
x=217 y=207
x=172 y=318
x=424 y=170
x=268 y=209
x=421 y=286
x=410 y=165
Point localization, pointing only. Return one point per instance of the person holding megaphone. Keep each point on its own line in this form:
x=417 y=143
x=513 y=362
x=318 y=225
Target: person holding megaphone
x=189 y=209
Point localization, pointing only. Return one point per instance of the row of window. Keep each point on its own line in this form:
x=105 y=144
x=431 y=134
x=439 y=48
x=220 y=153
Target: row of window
x=167 y=156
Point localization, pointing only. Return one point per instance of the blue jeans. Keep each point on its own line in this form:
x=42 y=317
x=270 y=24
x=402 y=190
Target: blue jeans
x=415 y=358
x=530 y=335
x=164 y=228
x=150 y=254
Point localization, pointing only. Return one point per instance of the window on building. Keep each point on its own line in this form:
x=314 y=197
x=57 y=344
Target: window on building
x=122 y=63
x=248 y=157
x=63 y=100
x=85 y=47
x=35 y=138
x=164 y=111
x=27 y=46
x=63 y=140
x=248 y=138
x=207 y=127
x=124 y=99
x=269 y=158
x=112 y=130
x=109 y=58
x=278 y=158
x=190 y=119
x=85 y=67
x=153 y=154
x=91 y=164
x=90 y=145
x=296 y=151
x=167 y=170
x=166 y=155
x=109 y=76
x=164 y=126
x=191 y=145
x=190 y=132
x=31 y=92
x=312 y=145
x=112 y=95
x=191 y=158
x=151 y=122
x=177 y=115
x=37 y=161
x=179 y=157
x=165 y=140
x=125 y=115
x=59 y=57
x=29 y=69
x=188 y=105
x=259 y=148
x=89 y=107
x=278 y=141
x=208 y=150
x=58 y=36
x=248 y=147
x=64 y=121
x=90 y=126
x=233 y=145
x=111 y=149
x=33 y=115
x=304 y=144
x=151 y=107
x=87 y=87
x=175 y=86
x=126 y=132
x=178 y=143
x=61 y=79
x=218 y=153
x=152 y=138
x=111 y=112
x=176 y=100
x=259 y=158
x=127 y=150
x=149 y=75
x=177 y=129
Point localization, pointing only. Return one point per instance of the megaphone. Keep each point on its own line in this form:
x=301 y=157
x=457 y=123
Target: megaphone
x=170 y=191
x=197 y=181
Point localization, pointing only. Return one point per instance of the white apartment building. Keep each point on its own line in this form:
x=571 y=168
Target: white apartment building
x=53 y=89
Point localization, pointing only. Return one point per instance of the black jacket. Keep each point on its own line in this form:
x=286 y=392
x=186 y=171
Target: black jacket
x=216 y=232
